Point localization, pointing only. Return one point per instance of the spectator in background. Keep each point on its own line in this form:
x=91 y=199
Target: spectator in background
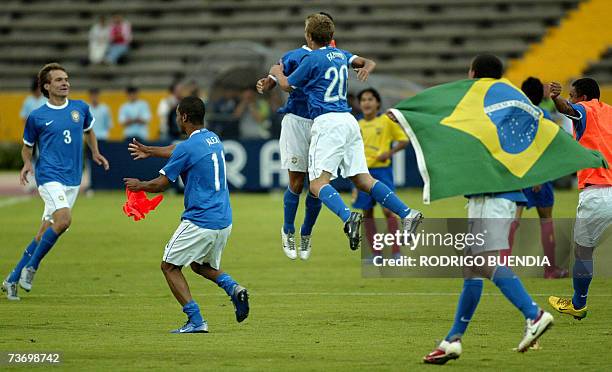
x=355 y=107
x=222 y=120
x=134 y=116
x=165 y=106
x=120 y=39
x=33 y=101
x=186 y=89
x=253 y=113
x=102 y=115
x=99 y=39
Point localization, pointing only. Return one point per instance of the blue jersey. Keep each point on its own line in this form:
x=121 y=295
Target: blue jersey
x=297 y=103
x=580 y=121
x=58 y=132
x=323 y=77
x=201 y=164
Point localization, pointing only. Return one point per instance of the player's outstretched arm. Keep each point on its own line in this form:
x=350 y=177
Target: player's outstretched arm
x=276 y=72
x=363 y=67
x=26 y=156
x=158 y=184
x=140 y=151
x=562 y=105
x=92 y=142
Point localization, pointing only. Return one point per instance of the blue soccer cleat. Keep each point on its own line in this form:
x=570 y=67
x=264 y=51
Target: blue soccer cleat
x=240 y=299
x=192 y=328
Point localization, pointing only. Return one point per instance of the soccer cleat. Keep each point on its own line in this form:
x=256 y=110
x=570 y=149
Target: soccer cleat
x=192 y=328
x=352 y=229
x=305 y=247
x=27 y=276
x=412 y=221
x=11 y=290
x=240 y=299
x=534 y=329
x=444 y=352
x=288 y=240
x=565 y=306
x=555 y=273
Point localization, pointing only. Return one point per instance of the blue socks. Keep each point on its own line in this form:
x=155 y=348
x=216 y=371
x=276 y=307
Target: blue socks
x=27 y=254
x=468 y=301
x=290 y=206
x=192 y=310
x=46 y=243
x=313 y=207
x=582 y=276
x=387 y=198
x=226 y=282
x=510 y=285
x=332 y=200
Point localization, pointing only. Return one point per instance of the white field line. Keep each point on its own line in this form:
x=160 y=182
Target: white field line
x=298 y=294
x=12 y=201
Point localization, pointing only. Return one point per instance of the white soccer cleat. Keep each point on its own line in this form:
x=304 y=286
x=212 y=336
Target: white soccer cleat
x=305 y=247
x=444 y=352
x=288 y=241
x=11 y=291
x=27 y=276
x=534 y=329
x=412 y=221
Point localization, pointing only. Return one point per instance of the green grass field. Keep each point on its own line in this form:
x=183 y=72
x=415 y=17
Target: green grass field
x=100 y=299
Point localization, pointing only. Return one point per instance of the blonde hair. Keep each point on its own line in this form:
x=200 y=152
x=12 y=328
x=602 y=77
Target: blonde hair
x=320 y=28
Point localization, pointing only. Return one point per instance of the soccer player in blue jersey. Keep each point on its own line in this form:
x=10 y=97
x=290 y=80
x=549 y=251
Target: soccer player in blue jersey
x=336 y=142
x=293 y=143
x=57 y=128
x=206 y=222
x=492 y=215
x=540 y=196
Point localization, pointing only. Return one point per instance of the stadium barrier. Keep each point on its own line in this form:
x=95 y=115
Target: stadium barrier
x=251 y=166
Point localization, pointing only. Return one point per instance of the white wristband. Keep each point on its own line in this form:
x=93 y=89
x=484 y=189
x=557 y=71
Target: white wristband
x=273 y=78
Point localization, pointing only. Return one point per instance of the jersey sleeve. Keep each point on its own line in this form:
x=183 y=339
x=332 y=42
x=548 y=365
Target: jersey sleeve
x=350 y=57
x=89 y=119
x=579 y=121
x=176 y=164
x=301 y=76
x=397 y=133
x=30 y=132
x=289 y=64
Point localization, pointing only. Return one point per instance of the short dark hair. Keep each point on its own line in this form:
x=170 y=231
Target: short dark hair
x=320 y=28
x=94 y=90
x=131 y=89
x=43 y=76
x=194 y=108
x=373 y=91
x=587 y=87
x=487 y=66
x=533 y=89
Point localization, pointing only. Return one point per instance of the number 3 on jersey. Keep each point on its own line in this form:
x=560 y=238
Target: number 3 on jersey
x=338 y=79
x=215 y=160
x=67 y=138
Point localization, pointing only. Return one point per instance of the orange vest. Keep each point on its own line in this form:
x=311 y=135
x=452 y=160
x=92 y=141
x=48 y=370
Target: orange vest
x=597 y=136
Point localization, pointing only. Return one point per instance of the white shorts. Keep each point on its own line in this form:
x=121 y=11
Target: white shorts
x=294 y=143
x=57 y=196
x=191 y=243
x=336 y=144
x=593 y=215
x=492 y=217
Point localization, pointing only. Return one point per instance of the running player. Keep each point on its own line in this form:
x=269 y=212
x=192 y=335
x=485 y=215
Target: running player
x=57 y=128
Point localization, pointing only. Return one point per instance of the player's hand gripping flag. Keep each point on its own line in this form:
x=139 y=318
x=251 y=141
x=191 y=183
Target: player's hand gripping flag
x=137 y=204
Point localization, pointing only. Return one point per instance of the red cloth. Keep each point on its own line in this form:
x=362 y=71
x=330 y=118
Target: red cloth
x=137 y=204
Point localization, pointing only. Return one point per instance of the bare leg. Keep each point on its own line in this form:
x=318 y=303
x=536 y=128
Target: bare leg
x=177 y=283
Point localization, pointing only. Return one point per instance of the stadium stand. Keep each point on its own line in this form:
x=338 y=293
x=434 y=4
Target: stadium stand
x=602 y=70
x=426 y=41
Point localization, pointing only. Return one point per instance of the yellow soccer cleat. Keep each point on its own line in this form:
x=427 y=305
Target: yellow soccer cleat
x=565 y=306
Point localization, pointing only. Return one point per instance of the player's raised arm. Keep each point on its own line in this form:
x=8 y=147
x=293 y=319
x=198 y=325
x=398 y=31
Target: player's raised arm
x=276 y=72
x=92 y=142
x=562 y=105
x=265 y=84
x=363 y=67
x=140 y=151
x=26 y=156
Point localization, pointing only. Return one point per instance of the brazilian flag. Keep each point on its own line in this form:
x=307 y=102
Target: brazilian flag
x=484 y=136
